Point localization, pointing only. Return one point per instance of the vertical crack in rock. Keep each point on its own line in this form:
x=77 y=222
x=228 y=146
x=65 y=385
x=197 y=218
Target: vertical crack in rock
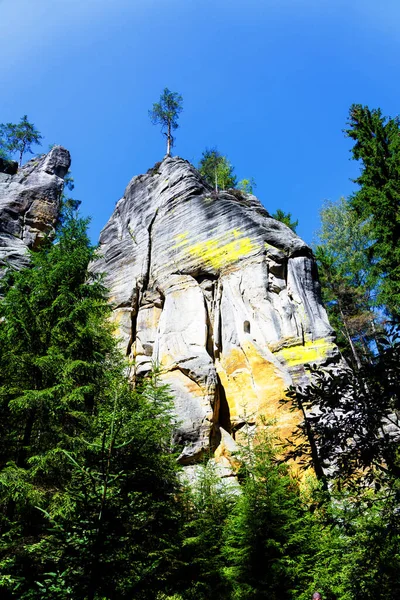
x=207 y=283
x=210 y=336
x=217 y=351
x=224 y=413
x=146 y=277
x=134 y=315
x=140 y=290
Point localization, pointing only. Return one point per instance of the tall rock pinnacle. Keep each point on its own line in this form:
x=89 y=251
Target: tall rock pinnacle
x=224 y=298
x=29 y=205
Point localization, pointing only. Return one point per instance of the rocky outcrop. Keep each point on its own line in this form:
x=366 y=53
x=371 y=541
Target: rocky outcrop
x=29 y=205
x=220 y=295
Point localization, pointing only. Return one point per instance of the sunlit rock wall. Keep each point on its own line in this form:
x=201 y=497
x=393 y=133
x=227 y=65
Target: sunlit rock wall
x=224 y=298
x=29 y=205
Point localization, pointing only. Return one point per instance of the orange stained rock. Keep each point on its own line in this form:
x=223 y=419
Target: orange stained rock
x=254 y=388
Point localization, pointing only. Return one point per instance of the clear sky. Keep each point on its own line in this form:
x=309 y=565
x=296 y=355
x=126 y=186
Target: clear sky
x=269 y=82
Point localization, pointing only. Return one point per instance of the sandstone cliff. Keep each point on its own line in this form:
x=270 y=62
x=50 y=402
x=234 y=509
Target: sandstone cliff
x=29 y=205
x=220 y=295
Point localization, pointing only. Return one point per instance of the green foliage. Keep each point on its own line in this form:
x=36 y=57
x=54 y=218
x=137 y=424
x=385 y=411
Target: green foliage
x=217 y=170
x=117 y=519
x=69 y=181
x=88 y=489
x=285 y=218
x=267 y=545
x=208 y=504
x=351 y=419
x=377 y=202
x=166 y=113
x=342 y=257
x=18 y=138
x=55 y=346
x=3 y=153
x=247 y=185
x=357 y=546
x=52 y=341
x=350 y=435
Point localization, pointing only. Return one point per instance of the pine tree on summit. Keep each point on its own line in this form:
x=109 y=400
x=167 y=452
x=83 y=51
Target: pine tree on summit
x=165 y=113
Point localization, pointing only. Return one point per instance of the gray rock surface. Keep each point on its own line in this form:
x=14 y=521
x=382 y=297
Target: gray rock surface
x=29 y=205
x=220 y=295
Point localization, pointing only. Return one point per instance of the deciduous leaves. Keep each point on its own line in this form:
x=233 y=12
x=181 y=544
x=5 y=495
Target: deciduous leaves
x=217 y=170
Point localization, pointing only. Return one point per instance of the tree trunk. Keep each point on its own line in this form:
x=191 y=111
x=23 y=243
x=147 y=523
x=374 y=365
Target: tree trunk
x=21 y=152
x=21 y=457
x=319 y=471
x=169 y=140
x=22 y=452
x=352 y=346
x=376 y=337
x=95 y=574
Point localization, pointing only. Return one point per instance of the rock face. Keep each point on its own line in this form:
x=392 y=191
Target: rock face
x=220 y=295
x=29 y=205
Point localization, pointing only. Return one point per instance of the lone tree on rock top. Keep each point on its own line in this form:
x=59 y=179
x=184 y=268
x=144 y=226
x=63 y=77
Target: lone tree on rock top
x=18 y=138
x=166 y=112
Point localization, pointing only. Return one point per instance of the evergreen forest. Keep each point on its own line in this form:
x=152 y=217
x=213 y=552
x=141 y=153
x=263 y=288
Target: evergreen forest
x=93 y=503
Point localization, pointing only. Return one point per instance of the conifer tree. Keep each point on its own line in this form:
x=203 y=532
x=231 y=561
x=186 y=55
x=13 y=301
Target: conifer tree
x=353 y=418
x=116 y=521
x=208 y=503
x=267 y=541
x=87 y=475
x=56 y=346
x=166 y=113
x=285 y=218
x=377 y=147
x=18 y=138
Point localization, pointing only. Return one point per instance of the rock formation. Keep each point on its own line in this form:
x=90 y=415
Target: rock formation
x=224 y=298
x=29 y=204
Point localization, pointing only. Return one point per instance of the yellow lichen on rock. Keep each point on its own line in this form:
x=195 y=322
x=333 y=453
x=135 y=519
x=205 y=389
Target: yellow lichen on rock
x=218 y=251
x=311 y=351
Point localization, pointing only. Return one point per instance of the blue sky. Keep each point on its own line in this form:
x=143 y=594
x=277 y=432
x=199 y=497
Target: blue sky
x=269 y=82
